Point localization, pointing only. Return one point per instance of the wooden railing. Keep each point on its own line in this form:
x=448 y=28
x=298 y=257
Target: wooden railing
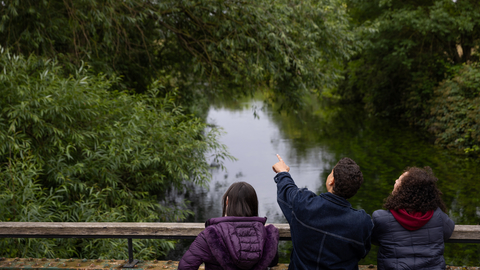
x=462 y=233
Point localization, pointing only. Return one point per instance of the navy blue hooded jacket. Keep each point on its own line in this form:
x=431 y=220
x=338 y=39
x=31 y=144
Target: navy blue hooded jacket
x=327 y=233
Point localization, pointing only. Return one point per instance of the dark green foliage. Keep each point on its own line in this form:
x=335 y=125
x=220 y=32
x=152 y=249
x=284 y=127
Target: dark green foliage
x=74 y=149
x=113 y=36
x=409 y=47
x=455 y=111
x=71 y=151
x=410 y=67
x=202 y=46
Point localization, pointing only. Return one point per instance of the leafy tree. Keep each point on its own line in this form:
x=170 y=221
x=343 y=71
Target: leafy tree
x=72 y=151
x=208 y=47
x=409 y=47
x=455 y=111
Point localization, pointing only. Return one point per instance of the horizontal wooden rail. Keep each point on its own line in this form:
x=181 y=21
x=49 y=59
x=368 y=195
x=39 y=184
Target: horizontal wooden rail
x=462 y=233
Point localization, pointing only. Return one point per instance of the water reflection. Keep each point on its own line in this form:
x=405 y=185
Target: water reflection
x=311 y=143
x=254 y=141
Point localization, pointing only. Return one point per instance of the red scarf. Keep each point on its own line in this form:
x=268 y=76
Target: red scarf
x=411 y=221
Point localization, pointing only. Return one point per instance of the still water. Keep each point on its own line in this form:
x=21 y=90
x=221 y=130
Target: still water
x=311 y=143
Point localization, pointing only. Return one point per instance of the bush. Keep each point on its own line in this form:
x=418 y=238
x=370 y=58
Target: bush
x=71 y=151
x=455 y=111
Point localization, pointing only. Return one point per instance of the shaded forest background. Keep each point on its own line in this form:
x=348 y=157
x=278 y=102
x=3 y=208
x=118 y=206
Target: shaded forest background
x=103 y=103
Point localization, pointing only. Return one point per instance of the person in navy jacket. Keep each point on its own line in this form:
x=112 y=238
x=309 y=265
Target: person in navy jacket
x=327 y=232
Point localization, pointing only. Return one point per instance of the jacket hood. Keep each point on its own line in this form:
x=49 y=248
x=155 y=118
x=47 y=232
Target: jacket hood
x=242 y=242
x=412 y=221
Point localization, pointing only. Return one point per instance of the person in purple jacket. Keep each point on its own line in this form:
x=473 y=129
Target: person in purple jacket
x=238 y=240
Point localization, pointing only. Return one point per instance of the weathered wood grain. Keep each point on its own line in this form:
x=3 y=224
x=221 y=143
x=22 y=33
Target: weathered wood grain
x=467 y=232
x=150 y=230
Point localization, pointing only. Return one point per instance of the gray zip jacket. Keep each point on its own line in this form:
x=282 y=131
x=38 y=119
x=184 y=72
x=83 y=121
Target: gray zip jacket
x=404 y=249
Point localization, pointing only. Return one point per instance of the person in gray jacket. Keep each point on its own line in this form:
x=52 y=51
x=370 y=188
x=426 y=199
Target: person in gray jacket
x=412 y=231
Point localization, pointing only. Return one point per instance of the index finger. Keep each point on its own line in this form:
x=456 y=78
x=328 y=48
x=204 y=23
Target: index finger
x=279 y=157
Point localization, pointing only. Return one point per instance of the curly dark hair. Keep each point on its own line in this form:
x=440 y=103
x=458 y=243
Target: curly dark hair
x=417 y=192
x=348 y=178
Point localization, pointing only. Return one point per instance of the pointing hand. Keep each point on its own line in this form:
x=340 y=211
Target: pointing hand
x=280 y=166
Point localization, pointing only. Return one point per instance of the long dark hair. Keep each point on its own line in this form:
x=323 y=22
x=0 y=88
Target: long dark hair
x=242 y=201
x=417 y=192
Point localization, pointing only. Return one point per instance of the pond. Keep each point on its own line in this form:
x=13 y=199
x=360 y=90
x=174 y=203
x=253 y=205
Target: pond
x=311 y=143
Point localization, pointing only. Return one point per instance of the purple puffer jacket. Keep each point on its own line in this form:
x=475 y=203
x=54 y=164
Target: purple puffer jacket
x=233 y=243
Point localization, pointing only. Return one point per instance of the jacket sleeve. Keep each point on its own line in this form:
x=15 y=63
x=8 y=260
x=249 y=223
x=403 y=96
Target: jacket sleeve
x=448 y=226
x=368 y=246
x=270 y=249
x=376 y=228
x=286 y=192
x=198 y=253
x=272 y=244
x=289 y=195
x=274 y=261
